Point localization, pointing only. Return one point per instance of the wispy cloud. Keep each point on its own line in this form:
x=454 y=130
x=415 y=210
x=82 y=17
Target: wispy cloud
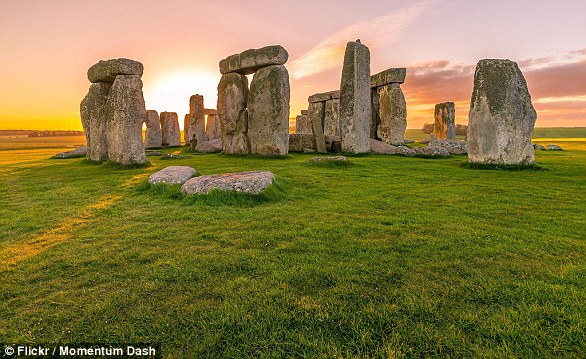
x=379 y=31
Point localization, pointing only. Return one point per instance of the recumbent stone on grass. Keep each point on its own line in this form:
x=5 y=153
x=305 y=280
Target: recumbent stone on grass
x=172 y=175
x=246 y=182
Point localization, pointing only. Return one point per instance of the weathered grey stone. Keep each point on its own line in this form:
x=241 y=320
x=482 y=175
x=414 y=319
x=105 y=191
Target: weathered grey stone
x=186 y=130
x=106 y=71
x=501 y=118
x=247 y=182
x=389 y=76
x=553 y=147
x=213 y=127
x=232 y=95
x=301 y=142
x=454 y=147
x=268 y=111
x=171 y=133
x=316 y=117
x=382 y=148
x=537 y=146
x=174 y=156
x=153 y=137
x=124 y=135
x=196 y=121
x=95 y=115
x=249 y=61
x=333 y=143
x=332 y=118
x=303 y=125
x=432 y=151
x=392 y=114
x=445 y=121
x=153 y=153
x=329 y=159
x=304 y=112
x=210 y=146
x=172 y=175
x=324 y=96
x=374 y=113
x=355 y=102
x=77 y=153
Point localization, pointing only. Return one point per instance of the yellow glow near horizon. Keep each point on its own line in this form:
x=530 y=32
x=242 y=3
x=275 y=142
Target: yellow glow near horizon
x=172 y=92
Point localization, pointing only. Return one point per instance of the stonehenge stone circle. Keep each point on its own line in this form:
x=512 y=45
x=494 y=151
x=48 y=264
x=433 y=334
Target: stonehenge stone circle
x=268 y=111
x=195 y=122
x=445 y=121
x=171 y=133
x=324 y=110
x=355 y=102
x=249 y=61
x=502 y=117
x=232 y=95
x=389 y=108
x=153 y=136
x=247 y=182
x=113 y=111
x=256 y=120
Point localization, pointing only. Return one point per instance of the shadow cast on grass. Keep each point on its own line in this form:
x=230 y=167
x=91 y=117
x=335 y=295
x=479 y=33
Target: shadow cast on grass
x=503 y=167
x=116 y=166
x=276 y=192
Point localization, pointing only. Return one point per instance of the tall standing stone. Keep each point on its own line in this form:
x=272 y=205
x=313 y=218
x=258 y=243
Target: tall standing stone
x=392 y=114
x=302 y=123
x=355 y=102
x=153 y=137
x=268 y=111
x=213 y=126
x=316 y=116
x=125 y=144
x=232 y=95
x=502 y=117
x=171 y=133
x=95 y=114
x=445 y=121
x=196 y=120
x=332 y=115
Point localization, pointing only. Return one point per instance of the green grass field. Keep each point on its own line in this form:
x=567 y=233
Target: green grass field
x=388 y=257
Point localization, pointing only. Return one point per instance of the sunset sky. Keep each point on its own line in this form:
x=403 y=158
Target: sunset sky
x=46 y=48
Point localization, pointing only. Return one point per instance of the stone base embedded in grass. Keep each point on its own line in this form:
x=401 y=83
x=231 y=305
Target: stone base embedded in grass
x=77 y=153
x=329 y=159
x=173 y=156
x=172 y=175
x=554 y=147
x=497 y=166
x=432 y=151
x=247 y=182
x=153 y=153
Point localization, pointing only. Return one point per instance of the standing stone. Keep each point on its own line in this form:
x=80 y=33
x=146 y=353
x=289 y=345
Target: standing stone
x=355 y=102
x=445 y=121
x=186 y=131
x=125 y=144
x=302 y=124
x=171 y=133
x=375 y=113
x=332 y=117
x=153 y=137
x=232 y=94
x=196 y=120
x=502 y=117
x=316 y=116
x=95 y=115
x=392 y=114
x=213 y=127
x=268 y=111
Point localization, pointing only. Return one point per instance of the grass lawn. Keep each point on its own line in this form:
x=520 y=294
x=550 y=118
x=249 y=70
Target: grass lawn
x=387 y=257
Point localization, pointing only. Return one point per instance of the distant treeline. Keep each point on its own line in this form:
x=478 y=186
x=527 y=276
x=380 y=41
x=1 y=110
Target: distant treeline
x=54 y=133
x=460 y=129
